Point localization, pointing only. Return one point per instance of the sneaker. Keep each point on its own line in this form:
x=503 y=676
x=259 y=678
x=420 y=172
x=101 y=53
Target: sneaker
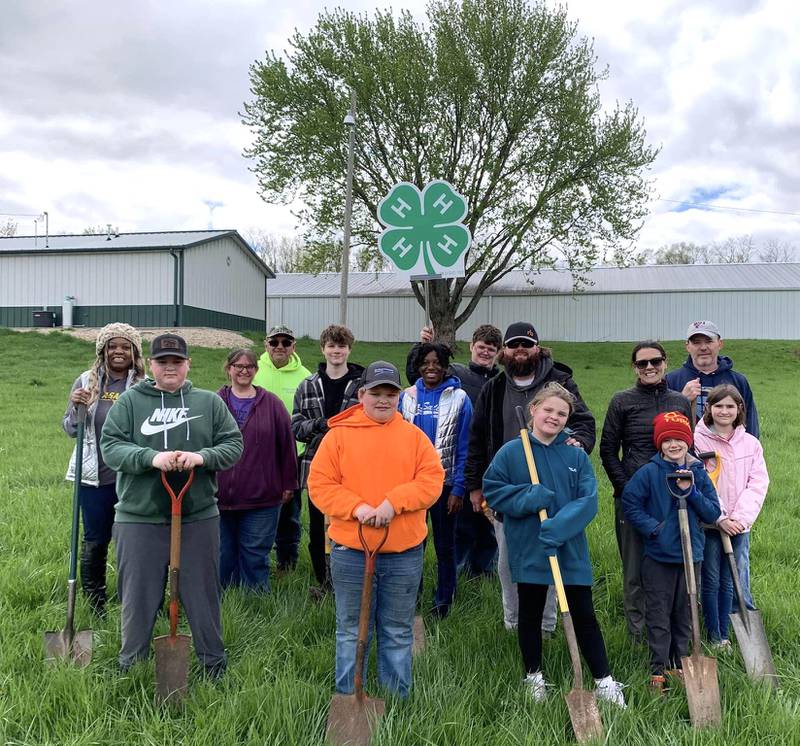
x=537 y=686
x=510 y=626
x=440 y=611
x=658 y=685
x=722 y=646
x=610 y=691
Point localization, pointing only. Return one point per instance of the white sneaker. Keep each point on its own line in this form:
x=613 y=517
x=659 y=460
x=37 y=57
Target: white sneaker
x=510 y=626
x=537 y=686
x=611 y=691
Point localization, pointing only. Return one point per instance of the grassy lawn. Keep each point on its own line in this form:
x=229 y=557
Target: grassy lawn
x=280 y=678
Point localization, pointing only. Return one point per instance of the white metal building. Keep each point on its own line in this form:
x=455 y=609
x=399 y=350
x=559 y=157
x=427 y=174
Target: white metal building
x=176 y=278
x=759 y=301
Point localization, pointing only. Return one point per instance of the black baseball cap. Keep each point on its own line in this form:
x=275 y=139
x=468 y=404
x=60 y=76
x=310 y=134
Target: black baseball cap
x=169 y=345
x=381 y=373
x=521 y=330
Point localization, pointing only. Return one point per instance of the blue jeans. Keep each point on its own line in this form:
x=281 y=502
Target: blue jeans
x=444 y=542
x=246 y=538
x=394 y=595
x=717 y=583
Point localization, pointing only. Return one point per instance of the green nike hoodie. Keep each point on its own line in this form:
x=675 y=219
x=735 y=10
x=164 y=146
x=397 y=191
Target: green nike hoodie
x=145 y=421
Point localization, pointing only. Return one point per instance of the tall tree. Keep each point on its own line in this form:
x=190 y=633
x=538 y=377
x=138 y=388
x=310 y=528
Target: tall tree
x=498 y=97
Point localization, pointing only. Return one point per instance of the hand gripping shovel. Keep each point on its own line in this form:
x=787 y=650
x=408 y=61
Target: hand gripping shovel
x=581 y=703
x=67 y=643
x=352 y=717
x=699 y=671
x=172 y=650
x=747 y=623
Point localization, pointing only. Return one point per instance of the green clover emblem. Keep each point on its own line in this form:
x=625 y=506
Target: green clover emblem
x=423 y=224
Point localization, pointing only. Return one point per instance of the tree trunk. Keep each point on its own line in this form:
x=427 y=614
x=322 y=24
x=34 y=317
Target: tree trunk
x=441 y=311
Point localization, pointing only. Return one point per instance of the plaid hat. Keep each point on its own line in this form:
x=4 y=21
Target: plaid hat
x=706 y=328
x=169 y=345
x=281 y=330
x=520 y=330
x=381 y=373
x=110 y=331
x=671 y=425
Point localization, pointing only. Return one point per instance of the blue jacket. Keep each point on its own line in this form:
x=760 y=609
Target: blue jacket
x=653 y=511
x=567 y=490
x=450 y=444
x=677 y=379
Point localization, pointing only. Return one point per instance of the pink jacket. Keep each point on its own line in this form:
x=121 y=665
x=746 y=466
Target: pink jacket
x=743 y=479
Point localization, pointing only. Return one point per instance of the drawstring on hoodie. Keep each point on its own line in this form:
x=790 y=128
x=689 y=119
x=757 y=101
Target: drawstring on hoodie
x=165 y=431
x=183 y=405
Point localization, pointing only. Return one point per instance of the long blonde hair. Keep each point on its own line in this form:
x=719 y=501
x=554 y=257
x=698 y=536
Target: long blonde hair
x=548 y=390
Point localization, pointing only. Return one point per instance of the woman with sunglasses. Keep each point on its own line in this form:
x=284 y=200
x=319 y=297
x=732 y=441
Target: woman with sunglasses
x=625 y=445
x=251 y=492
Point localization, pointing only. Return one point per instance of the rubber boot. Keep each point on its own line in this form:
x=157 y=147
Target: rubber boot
x=93 y=575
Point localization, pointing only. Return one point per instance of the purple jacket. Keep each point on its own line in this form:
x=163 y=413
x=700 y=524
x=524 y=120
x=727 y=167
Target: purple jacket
x=268 y=465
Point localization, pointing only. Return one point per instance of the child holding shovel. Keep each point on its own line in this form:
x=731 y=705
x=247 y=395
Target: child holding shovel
x=568 y=491
x=650 y=506
x=741 y=486
x=376 y=469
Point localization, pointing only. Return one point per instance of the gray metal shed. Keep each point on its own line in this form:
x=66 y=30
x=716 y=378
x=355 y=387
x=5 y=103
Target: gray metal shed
x=167 y=278
x=748 y=301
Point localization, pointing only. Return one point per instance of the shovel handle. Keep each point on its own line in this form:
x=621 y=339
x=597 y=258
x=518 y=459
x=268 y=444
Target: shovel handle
x=688 y=568
x=175 y=547
x=176 y=500
x=727 y=547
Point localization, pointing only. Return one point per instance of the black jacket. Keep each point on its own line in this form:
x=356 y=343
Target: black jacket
x=629 y=426
x=486 y=430
x=473 y=377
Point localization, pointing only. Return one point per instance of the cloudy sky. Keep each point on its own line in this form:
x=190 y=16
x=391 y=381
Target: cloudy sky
x=127 y=113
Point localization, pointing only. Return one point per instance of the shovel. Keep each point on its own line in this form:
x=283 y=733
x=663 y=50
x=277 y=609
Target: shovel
x=352 y=717
x=581 y=703
x=67 y=643
x=699 y=671
x=747 y=623
x=172 y=650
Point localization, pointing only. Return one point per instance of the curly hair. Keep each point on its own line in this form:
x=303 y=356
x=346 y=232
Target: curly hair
x=443 y=354
x=100 y=366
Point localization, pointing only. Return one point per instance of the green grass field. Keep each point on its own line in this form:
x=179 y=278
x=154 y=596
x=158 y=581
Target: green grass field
x=467 y=684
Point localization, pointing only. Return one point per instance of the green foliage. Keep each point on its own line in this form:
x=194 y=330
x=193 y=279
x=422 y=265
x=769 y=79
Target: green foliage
x=497 y=97
x=467 y=685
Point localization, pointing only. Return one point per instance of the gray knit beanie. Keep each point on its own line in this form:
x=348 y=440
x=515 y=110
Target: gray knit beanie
x=109 y=331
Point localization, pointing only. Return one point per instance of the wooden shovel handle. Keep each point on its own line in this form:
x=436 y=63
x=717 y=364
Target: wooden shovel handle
x=175 y=547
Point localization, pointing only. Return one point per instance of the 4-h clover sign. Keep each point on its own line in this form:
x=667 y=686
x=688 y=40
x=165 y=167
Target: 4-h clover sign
x=424 y=236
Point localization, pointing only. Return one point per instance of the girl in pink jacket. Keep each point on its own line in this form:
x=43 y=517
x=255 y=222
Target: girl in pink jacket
x=741 y=482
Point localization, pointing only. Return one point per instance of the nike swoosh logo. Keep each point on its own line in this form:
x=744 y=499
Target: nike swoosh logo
x=148 y=429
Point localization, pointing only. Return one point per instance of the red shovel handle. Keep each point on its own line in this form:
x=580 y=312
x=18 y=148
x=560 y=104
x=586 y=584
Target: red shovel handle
x=177 y=499
x=175 y=548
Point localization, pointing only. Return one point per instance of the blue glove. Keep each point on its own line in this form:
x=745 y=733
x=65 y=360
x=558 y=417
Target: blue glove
x=547 y=536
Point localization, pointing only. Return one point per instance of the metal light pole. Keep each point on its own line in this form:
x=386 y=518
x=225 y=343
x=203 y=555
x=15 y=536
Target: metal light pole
x=350 y=123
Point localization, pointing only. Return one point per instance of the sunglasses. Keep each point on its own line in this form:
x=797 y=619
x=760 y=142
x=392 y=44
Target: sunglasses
x=526 y=343
x=654 y=361
x=243 y=368
x=285 y=343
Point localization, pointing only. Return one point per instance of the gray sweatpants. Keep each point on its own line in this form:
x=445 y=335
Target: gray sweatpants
x=142 y=564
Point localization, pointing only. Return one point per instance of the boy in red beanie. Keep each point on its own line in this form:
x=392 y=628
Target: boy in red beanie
x=653 y=512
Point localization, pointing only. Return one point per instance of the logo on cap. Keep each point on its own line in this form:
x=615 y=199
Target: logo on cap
x=169 y=344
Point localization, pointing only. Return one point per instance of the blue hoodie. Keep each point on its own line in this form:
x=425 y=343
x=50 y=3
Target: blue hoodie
x=677 y=379
x=426 y=417
x=653 y=511
x=567 y=490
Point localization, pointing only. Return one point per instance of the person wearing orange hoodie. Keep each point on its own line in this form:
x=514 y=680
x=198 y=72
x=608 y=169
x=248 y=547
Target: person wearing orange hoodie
x=374 y=468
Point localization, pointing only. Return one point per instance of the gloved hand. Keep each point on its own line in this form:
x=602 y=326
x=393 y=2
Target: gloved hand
x=547 y=536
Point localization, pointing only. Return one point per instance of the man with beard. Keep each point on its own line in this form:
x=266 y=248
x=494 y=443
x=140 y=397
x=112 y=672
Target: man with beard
x=528 y=367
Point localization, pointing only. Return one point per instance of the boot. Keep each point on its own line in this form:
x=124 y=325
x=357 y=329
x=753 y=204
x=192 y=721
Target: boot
x=93 y=575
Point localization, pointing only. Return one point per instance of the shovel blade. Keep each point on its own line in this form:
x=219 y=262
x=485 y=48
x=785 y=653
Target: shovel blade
x=351 y=721
x=752 y=640
x=585 y=715
x=419 y=636
x=57 y=647
x=172 y=669
x=702 y=690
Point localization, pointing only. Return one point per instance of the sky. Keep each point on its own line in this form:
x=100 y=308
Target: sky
x=128 y=113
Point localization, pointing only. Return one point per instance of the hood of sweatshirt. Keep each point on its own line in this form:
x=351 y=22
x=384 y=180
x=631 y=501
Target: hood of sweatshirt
x=449 y=382
x=724 y=364
x=736 y=435
x=355 y=416
x=353 y=370
x=292 y=364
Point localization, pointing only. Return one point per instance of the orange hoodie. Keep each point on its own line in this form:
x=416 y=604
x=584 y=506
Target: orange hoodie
x=363 y=461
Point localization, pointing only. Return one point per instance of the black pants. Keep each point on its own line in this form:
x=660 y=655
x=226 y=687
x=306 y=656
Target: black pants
x=669 y=621
x=316 y=543
x=476 y=547
x=630 y=551
x=287 y=538
x=532 y=599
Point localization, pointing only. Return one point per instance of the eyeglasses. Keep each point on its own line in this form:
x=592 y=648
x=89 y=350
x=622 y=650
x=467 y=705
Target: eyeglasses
x=285 y=343
x=243 y=368
x=654 y=361
x=526 y=343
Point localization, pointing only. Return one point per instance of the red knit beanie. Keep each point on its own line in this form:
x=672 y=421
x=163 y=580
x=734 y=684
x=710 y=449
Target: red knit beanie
x=671 y=425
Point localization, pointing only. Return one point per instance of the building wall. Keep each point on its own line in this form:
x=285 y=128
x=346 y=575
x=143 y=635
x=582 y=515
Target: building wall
x=97 y=279
x=612 y=317
x=220 y=277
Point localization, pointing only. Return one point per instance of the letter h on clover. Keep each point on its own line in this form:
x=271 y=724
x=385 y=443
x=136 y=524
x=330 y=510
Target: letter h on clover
x=424 y=224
